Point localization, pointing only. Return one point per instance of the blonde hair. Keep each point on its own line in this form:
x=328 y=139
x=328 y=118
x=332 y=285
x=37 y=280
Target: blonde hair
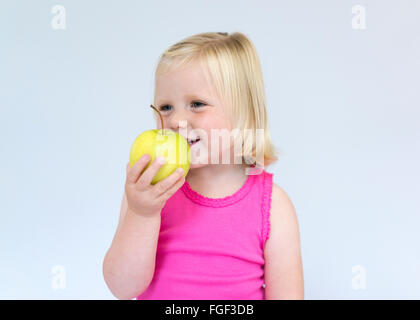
x=235 y=71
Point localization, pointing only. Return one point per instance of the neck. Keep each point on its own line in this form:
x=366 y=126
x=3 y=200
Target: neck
x=211 y=180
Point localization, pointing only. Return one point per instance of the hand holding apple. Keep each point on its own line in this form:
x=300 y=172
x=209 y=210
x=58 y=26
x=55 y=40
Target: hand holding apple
x=146 y=199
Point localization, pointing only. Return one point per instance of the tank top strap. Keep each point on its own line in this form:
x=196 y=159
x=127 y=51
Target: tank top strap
x=267 y=187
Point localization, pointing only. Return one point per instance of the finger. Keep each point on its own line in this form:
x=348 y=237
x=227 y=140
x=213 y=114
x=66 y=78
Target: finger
x=163 y=185
x=165 y=196
x=135 y=171
x=148 y=175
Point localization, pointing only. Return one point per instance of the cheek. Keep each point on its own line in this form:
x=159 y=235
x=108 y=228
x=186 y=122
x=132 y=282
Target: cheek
x=216 y=121
x=216 y=124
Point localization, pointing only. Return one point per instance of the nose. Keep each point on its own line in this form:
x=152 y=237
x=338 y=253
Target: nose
x=178 y=120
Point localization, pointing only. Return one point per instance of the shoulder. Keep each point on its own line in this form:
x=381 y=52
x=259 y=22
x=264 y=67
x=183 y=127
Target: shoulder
x=280 y=202
x=283 y=219
x=277 y=203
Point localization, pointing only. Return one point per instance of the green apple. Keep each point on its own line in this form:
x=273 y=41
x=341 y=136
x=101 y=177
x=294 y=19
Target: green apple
x=162 y=142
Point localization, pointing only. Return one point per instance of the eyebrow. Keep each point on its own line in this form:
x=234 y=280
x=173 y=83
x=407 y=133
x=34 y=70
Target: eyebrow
x=196 y=96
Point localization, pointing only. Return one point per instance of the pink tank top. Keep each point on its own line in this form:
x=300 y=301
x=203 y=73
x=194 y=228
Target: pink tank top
x=213 y=248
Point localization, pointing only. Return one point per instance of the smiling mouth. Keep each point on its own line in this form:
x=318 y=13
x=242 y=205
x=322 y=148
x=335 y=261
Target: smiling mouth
x=193 y=141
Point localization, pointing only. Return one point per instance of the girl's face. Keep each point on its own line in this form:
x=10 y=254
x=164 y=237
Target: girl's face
x=189 y=106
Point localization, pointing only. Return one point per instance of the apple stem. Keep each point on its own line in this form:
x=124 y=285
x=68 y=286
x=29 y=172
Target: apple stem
x=160 y=116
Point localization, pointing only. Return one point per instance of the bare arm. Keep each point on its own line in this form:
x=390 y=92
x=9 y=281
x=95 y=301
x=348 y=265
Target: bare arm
x=129 y=264
x=130 y=261
x=283 y=269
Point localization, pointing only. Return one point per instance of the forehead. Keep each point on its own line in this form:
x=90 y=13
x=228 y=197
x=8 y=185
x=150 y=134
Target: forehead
x=188 y=80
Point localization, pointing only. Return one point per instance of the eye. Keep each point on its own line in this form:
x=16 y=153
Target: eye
x=197 y=104
x=165 y=108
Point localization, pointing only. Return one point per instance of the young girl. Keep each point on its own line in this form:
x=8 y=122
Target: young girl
x=223 y=231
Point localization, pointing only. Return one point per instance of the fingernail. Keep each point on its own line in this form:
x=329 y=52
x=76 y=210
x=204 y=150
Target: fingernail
x=180 y=170
x=161 y=160
x=146 y=157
